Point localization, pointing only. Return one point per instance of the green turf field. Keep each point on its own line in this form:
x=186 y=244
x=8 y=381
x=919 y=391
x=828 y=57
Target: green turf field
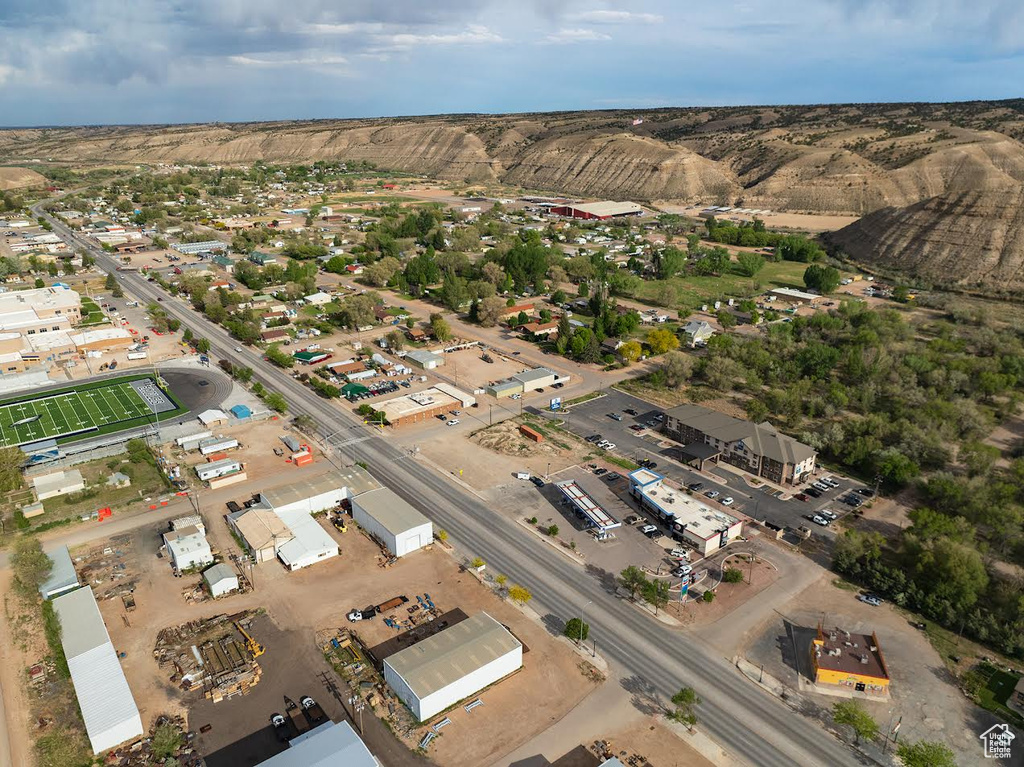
x=87 y=410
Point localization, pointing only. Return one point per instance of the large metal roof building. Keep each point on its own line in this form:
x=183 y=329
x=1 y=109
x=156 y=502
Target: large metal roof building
x=108 y=708
x=401 y=527
x=453 y=664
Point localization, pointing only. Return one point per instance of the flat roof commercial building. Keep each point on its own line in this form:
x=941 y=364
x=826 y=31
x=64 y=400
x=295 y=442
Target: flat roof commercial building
x=599 y=210
x=424 y=405
x=196 y=248
x=62 y=577
x=332 y=744
x=688 y=519
x=855 y=661
x=188 y=548
x=401 y=527
x=538 y=378
x=108 y=708
x=280 y=524
x=795 y=296
x=452 y=665
x=424 y=359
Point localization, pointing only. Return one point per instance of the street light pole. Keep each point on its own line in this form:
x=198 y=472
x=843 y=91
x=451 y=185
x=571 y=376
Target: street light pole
x=582 y=624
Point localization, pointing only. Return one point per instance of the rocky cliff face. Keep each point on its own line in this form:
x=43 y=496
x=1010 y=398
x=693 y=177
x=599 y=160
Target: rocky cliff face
x=833 y=159
x=970 y=240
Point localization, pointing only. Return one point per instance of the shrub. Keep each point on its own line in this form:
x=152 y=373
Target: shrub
x=709 y=596
x=552 y=530
x=732 y=575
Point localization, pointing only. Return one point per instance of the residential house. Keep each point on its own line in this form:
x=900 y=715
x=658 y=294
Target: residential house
x=696 y=333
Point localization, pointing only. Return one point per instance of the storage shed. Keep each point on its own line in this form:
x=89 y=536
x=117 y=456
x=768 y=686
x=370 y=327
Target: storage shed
x=108 y=708
x=221 y=580
x=435 y=674
x=383 y=513
x=241 y=412
x=424 y=359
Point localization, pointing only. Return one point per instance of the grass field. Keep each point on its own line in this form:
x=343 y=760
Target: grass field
x=90 y=409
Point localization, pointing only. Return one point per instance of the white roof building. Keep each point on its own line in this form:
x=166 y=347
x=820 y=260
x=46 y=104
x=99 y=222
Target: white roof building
x=62 y=575
x=332 y=744
x=453 y=664
x=58 y=483
x=188 y=548
x=318 y=299
x=108 y=708
x=212 y=417
x=402 y=528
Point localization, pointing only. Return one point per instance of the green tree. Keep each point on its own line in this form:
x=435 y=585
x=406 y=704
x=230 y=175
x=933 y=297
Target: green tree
x=732 y=575
x=11 y=462
x=39 y=282
x=166 y=741
x=748 y=264
x=685 y=711
x=824 y=279
x=852 y=714
x=576 y=630
x=440 y=328
x=111 y=282
x=203 y=346
x=395 y=340
x=276 y=402
x=708 y=596
x=29 y=564
x=552 y=530
x=279 y=357
x=632 y=579
x=453 y=291
x=726 y=319
x=656 y=593
x=925 y=753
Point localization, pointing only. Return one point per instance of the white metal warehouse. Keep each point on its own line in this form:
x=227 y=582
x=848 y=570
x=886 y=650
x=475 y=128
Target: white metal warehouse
x=383 y=513
x=108 y=708
x=435 y=674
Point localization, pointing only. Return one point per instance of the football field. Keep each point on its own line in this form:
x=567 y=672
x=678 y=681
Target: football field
x=81 y=411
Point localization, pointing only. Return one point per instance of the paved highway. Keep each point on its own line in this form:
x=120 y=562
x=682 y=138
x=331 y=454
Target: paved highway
x=747 y=722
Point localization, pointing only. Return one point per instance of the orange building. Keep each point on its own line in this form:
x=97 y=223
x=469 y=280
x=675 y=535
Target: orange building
x=849 y=660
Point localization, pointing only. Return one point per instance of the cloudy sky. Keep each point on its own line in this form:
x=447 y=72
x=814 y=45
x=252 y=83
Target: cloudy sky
x=109 y=61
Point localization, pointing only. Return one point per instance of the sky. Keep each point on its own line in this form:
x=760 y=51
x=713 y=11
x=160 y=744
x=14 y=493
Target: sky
x=75 y=62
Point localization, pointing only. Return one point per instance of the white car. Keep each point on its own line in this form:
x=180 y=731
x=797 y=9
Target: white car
x=682 y=571
x=453 y=422
x=238 y=349
x=609 y=446
x=679 y=554
x=727 y=501
x=712 y=494
x=818 y=520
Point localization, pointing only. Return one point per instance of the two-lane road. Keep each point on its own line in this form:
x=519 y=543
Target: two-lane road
x=747 y=722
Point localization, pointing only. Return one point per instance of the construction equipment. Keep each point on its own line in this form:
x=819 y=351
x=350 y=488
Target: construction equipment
x=255 y=648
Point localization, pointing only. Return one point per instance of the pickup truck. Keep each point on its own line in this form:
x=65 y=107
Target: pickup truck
x=280 y=727
x=298 y=717
x=313 y=711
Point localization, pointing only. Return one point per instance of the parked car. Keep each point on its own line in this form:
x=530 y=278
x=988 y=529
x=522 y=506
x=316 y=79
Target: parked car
x=454 y=422
x=558 y=385
x=869 y=599
x=813 y=492
x=649 y=530
x=821 y=486
x=608 y=446
x=647 y=463
x=599 y=472
x=712 y=494
x=630 y=411
x=829 y=481
x=682 y=571
x=829 y=515
x=679 y=553
x=537 y=481
x=637 y=428
x=615 y=416
x=594 y=438
x=632 y=519
x=695 y=487
x=819 y=520
x=727 y=501
x=867 y=492
x=801 y=496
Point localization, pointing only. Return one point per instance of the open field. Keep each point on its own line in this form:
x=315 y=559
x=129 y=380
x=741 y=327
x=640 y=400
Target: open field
x=98 y=408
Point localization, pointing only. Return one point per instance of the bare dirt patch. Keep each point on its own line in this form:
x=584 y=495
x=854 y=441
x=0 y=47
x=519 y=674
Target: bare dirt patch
x=18 y=178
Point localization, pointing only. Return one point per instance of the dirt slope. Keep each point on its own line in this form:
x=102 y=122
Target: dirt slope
x=972 y=240
x=851 y=158
x=16 y=178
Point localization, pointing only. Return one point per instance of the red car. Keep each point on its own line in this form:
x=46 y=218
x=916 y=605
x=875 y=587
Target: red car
x=801 y=496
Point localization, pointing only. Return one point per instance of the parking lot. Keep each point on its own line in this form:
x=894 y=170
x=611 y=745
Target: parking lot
x=593 y=418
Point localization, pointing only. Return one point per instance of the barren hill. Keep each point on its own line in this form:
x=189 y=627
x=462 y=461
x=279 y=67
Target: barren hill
x=971 y=240
x=852 y=158
x=16 y=178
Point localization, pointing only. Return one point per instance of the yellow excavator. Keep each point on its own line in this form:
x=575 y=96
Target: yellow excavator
x=255 y=648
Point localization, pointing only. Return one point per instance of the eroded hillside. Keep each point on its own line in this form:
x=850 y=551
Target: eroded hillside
x=835 y=159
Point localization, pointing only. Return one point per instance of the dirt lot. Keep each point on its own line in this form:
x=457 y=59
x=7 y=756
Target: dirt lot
x=923 y=691
x=298 y=604
x=474 y=373
x=257 y=440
